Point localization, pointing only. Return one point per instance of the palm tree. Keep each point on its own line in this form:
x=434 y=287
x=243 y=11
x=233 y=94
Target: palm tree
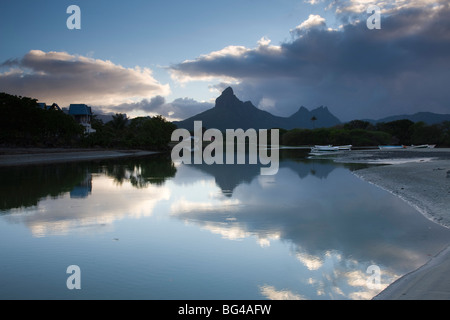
x=119 y=121
x=314 y=119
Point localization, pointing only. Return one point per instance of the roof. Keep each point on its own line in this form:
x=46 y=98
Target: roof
x=80 y=109
x=44 y=106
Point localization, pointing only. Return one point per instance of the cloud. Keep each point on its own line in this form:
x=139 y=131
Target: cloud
x=356 y=72
x=272 y=293
x=228 y=64
x=387 y=6
x=179 y=109
x=313 y=21
x=64 y=78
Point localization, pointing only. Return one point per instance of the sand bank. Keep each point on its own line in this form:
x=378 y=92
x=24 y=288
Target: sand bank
x=14 y=157
x=422 y=179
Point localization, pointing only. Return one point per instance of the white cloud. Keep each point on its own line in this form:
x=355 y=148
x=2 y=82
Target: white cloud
x=310 y=261
x=314 y=20
x=64 y=78
x=313 y=2
x=264 y=41
x=179 y=109
x=386 y=6
x=272 y=293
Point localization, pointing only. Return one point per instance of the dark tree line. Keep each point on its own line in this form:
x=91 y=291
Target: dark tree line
x=142 y=132
x=23 y=123
x=363 y=133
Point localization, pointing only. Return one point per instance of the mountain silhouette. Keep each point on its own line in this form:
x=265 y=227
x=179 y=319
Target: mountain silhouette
x=427 y=117
x=231 y=113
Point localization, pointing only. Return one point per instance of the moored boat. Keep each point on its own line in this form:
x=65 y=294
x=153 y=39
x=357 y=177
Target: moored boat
x=329 y=150
x=423 y=146
x=391 y=147
x=324 y=148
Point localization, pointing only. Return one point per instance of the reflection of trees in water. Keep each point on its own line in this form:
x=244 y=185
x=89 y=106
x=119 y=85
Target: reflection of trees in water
x=84 y=188
x=141 y=172
x=25 y=186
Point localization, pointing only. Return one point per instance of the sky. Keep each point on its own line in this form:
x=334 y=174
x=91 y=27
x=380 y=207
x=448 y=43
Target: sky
x=174 y=57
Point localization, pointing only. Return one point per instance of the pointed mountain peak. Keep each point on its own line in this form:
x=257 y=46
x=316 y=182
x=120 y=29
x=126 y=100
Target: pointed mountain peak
x=321 y=109
x=228 y=92
x=303 y=109
x=227 y=99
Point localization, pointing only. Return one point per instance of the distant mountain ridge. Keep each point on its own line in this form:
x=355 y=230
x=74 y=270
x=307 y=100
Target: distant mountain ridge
x=231 y=113
x=427 y=117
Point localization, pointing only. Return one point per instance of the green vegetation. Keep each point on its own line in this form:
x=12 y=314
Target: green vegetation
x=23 y=123
x=362 y=133
x=151 y=133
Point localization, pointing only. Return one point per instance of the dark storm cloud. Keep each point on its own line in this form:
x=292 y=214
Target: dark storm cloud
x=357 y=72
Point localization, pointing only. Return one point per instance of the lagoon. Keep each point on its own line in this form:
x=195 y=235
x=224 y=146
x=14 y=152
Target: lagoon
x=145 y=228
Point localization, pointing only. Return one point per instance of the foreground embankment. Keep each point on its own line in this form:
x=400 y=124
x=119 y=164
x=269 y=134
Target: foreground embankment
x=28 y=156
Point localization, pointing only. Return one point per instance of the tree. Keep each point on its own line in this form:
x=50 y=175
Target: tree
x=119 y=121
x=399 y=129
x=24 y=123
x=314 y=119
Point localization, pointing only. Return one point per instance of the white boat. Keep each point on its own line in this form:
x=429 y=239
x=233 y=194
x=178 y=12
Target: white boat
x=331 y=148
x=328 y=150
x=391 y=147
x=424 y=146
x=324 y=149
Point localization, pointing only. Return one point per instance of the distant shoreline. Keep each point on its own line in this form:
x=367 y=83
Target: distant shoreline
x=33 y=156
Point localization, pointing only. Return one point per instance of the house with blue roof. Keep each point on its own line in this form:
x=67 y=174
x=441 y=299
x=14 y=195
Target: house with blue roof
x=44 y=106
x=83 y=115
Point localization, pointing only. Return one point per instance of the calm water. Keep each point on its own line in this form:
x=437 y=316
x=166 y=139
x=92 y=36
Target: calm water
x=147 y=229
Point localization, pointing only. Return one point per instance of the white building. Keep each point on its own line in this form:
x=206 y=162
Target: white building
x=83 y=115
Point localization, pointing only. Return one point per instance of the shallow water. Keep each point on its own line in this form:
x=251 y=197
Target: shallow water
x=147 y=229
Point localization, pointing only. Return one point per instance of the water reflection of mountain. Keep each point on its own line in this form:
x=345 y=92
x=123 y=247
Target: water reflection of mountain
x=228 y=177
x=341 y=218
x=25 y=186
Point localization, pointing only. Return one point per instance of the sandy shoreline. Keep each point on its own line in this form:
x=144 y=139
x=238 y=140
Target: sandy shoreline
x=25 y=156
x=422 y=179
